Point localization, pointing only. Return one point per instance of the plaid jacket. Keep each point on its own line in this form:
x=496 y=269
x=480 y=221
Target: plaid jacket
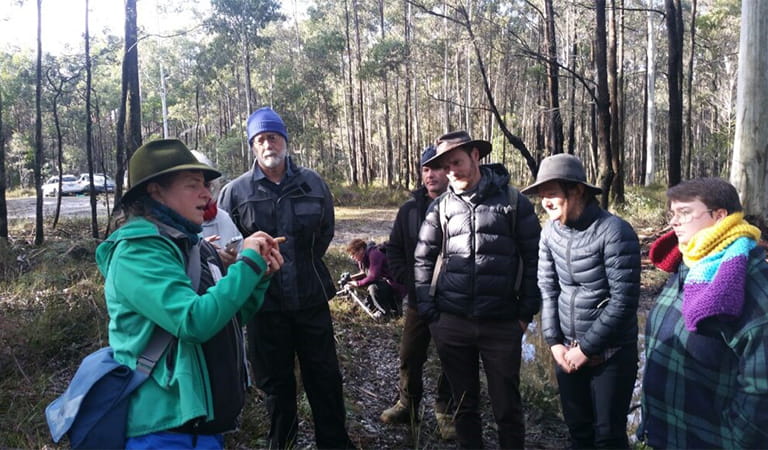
x=708 y=389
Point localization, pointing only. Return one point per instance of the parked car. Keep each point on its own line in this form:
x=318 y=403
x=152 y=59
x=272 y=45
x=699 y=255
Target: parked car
x=69 y=186
x=101 y=183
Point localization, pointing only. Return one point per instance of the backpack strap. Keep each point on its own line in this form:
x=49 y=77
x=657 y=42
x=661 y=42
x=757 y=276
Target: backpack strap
x=162 y=339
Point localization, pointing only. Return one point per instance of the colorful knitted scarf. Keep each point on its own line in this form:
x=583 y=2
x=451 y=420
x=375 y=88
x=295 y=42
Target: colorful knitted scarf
x=717 y=257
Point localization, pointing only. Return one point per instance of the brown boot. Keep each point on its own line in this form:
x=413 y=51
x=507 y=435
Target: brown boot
x=399 y=413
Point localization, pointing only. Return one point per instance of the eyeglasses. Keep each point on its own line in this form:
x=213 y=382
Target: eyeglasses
x=686 y=216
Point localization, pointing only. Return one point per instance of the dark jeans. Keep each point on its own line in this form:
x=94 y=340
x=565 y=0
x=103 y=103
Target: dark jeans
x=274 y=339
x=595 y=400
x=460 y=343
x=385 y=296
x=414 y=348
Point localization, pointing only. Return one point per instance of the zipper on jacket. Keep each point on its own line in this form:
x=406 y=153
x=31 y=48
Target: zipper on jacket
x=573 y=296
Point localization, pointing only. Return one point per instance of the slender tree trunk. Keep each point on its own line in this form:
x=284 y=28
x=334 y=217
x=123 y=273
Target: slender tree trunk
x=689 y=114
x=555 y=135
x=364 y=169
x=674 y=73
x=39 y=156
x=614 y=81
x=387 y=126
x=3 y=204
x=128 y=128
x=350 y=102
x=650 y=92
x=603 y=104
x=89 y=126
x=749 y=172
x=410 y=143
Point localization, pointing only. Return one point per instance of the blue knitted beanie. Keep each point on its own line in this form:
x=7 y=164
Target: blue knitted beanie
x=428 y=153
x=263 y=120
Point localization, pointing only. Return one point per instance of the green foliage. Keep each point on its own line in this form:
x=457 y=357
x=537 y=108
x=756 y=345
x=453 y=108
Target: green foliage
x=644 y=207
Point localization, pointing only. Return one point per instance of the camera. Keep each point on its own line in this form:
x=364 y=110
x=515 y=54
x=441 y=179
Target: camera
x=344 y=279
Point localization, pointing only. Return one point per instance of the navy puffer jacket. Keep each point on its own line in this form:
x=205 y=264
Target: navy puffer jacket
x=481 y=260
x=589 y=277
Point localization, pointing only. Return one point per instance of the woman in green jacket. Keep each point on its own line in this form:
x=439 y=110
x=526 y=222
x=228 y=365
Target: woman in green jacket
x=196 y=391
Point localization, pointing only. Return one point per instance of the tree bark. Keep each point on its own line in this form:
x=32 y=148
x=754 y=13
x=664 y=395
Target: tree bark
x=3 y=204
x=650 y=109
x=39 y=156
x=89 y=126
x=603 y=112
x=675 y=73
x=555 y=135
x=748 y=171
x=129 y=116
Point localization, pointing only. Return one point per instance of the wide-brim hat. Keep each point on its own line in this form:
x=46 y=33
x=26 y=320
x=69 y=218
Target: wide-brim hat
x=454 y=140
x=562 y=166
x=160 y=157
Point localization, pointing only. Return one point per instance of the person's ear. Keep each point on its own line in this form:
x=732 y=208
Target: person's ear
x=720 y=214
x=475 y=154
x=153 y=188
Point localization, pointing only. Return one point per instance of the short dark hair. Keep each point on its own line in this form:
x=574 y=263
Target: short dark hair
x=716 y=193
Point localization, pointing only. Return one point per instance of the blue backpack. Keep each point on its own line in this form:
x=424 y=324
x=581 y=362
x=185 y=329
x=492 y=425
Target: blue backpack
x=93 y=411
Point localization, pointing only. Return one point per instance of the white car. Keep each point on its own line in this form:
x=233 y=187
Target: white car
x=99 y=183
x=69 y=186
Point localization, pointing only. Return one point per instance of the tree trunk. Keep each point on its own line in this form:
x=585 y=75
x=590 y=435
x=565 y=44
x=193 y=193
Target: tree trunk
x=361 y=106
x=39 y=156
x=689 y=122
x=650 y=110
x=603 y=104
x=89 y=126
x=128 y=127
x=387 y=120
x=614 y=85
x=675 y=73
x=350 y=103
x=748 y=172
x=3 y=204
x=555 y=135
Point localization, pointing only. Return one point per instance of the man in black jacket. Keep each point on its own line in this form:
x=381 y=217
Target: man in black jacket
x=283 y=199
x=474 y=241
x=416 y=336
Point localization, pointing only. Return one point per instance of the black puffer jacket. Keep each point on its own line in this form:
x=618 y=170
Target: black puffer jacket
x=589 y=276
x=403 y=237
x=481 y=260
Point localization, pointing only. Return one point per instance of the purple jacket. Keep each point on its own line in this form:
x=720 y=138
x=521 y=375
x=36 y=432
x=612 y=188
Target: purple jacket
x=376 y=267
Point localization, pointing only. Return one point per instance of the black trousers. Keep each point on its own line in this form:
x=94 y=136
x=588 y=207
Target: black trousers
x=275 y=339
x=461 y=342
x=595 y=400
x=414 y=348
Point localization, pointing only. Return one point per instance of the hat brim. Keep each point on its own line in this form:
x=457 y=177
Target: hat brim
x=484 y=147
x=136 y=189
x=534 y=188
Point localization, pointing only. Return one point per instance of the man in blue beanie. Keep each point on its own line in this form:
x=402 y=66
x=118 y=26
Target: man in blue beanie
x=416 y=337
x=283 y=199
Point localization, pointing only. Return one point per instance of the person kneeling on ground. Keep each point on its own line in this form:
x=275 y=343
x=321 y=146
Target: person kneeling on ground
x=384 y=293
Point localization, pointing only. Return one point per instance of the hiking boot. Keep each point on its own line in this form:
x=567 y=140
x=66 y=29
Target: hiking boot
x=397 y=414
x=446 y=426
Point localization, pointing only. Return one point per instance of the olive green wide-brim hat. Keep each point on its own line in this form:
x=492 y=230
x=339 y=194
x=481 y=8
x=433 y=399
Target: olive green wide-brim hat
x=161 y=157
x=562 y=166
